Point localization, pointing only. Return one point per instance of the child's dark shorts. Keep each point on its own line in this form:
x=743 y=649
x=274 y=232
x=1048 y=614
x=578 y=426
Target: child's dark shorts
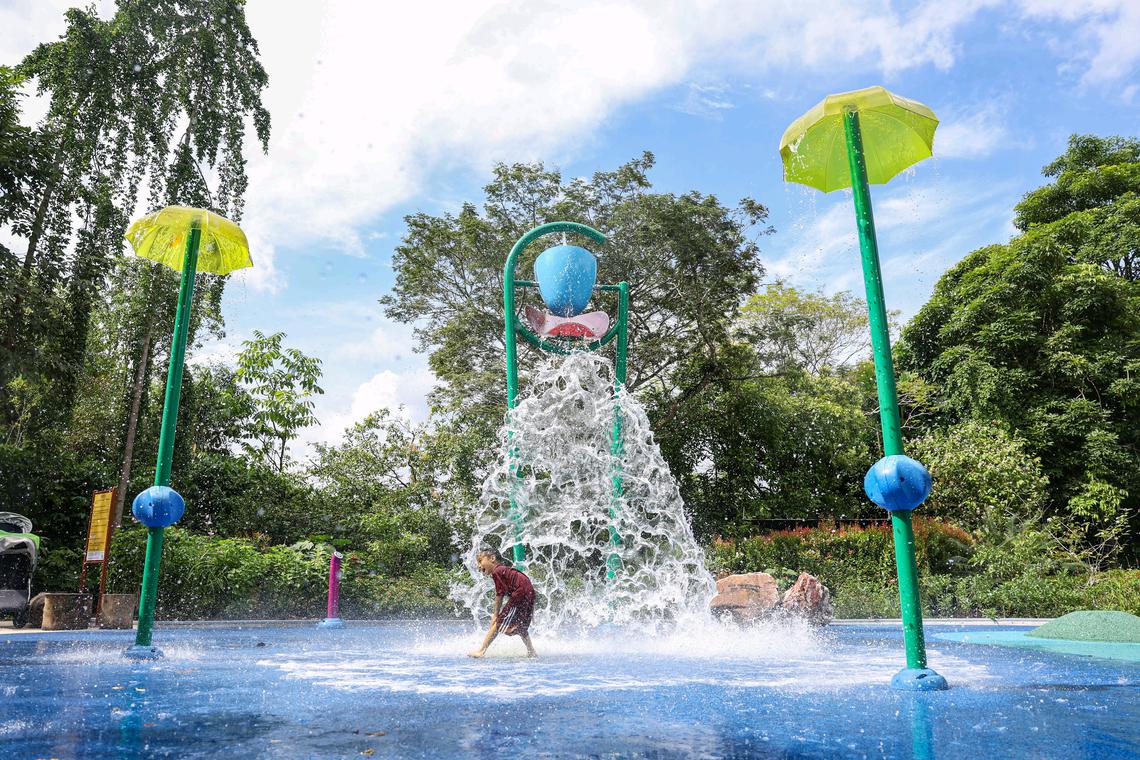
x=514 y=617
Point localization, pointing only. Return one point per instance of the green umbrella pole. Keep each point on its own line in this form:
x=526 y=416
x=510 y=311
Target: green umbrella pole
x=888 y=395
x=166 y=436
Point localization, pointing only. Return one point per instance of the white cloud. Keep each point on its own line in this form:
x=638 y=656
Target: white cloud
x=217 y=351
x=961 y=216
x=27 y=23
x=390 y=341
x=972 y=136
x=707 y=101
x=365 y=109
x=368 y=99
x=1105 y=40
x=392 y=390
x=402 y=393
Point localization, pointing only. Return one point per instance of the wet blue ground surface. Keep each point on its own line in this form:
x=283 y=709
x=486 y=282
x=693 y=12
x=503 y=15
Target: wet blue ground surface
x=407 y=690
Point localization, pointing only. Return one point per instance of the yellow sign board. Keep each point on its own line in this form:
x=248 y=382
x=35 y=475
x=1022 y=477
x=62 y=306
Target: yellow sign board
x=98 y=530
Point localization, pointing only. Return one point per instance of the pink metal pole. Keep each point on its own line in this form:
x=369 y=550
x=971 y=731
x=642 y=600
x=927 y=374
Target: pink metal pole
x=333 y=619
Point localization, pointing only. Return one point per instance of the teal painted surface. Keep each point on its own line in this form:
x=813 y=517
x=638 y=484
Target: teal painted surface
x=1021 y=639
x=1092 y=625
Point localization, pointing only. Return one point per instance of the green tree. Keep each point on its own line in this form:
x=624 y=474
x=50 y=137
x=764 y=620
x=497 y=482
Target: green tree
x=281 y=382
x=385 y=490
x=1096 y=194
x=142 y=105
x=980 y=469
x=793 y=331
x=689 y=260
x=755 y=445
x=21 y=168
x=1043 y=334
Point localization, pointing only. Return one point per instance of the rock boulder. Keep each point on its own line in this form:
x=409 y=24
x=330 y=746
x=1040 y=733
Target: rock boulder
x=808 y=599
x=746 y=597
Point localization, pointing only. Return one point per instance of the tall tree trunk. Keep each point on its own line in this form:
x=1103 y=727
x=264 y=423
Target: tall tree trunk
x=133 y=423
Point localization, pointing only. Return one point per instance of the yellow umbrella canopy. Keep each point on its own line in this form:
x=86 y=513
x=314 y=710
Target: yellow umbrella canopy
x=897 y=132
x=161 y=236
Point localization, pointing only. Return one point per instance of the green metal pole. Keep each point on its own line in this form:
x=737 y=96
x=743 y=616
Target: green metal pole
x=510 y=342
x=613 y=563
x=888 y=394
x=166 y=436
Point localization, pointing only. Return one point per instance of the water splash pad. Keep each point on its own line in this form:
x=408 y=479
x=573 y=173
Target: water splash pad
x=407 y=690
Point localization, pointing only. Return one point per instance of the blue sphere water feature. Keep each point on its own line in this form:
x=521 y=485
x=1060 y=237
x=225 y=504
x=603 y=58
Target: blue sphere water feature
x=566 y=275
x=158 y=507
x=897 y=483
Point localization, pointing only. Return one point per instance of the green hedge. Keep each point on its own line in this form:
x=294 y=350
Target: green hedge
x=207 y=577
x=837 y=557
x=858 y=567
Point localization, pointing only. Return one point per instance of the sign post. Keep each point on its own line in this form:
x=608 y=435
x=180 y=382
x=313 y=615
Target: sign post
x=99 y=530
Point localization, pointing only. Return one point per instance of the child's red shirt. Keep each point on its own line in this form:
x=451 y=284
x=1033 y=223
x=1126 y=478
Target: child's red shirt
x=511 y=582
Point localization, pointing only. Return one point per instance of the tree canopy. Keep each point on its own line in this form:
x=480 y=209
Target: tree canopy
x=690 y=262
x=1043 y=333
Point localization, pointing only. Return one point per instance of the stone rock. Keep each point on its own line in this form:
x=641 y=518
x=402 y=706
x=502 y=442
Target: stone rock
x=60 y=612
x=808 y=599
x=117 y=610
x=747 y=597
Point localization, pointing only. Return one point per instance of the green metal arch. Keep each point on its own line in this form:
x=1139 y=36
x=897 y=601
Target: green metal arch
x=514 y=328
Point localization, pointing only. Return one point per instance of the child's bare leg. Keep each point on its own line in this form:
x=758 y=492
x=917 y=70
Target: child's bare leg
x=529 y=647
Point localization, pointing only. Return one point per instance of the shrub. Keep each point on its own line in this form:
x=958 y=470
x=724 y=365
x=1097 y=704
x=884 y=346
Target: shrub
x=58 y=570
x=211 y=577
x=839 y=557
x=1018 y=576
x=980 y=468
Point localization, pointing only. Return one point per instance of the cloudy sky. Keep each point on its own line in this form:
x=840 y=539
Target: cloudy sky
x=381 y=109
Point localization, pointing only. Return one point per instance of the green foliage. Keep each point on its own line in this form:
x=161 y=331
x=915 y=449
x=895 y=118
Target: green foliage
x=1024 y=576
x=58 y=570
x=281 y=383
x=668 y=247
x=231 y=496
x=209 y=577
x=779 y=425
x=52 y=489
x=148 y=94
x=980 y=468
x=21 y=165
x=1043 y=334
x=840 y=557
x=384 y=481
x=793 y=331
x=753 y=446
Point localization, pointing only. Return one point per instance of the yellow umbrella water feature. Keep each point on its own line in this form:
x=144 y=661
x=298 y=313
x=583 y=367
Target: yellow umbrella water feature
x=851 y=140
x=188 y=240
x=162 y=237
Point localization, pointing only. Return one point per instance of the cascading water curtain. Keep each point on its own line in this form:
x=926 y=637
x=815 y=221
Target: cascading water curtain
x=560 y=433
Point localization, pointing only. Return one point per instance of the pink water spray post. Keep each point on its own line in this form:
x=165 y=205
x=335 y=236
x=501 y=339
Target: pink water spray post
x=332 y=619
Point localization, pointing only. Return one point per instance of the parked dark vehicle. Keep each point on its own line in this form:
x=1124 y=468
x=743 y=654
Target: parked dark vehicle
x=19 y=548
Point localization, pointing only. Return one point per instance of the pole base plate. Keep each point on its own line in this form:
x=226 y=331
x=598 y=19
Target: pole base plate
x=331 y=623
x=143 y=652
x=918 y=679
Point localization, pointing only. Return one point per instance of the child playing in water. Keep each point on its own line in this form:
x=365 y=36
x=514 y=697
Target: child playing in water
x=512 y=618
